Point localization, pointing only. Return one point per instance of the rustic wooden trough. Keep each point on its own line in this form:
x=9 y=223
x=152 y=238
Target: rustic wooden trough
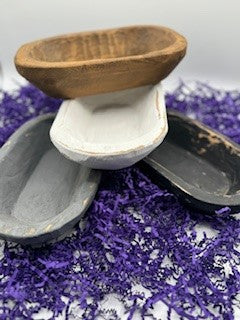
x=42 y=194
x=201 y=165
x=88 y=63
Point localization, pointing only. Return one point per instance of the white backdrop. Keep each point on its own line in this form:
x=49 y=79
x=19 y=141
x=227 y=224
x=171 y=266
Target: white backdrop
x=212 y=28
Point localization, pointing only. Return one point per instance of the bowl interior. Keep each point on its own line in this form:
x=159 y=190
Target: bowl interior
x=37 y=182
x=106 y=44
x=113 y=119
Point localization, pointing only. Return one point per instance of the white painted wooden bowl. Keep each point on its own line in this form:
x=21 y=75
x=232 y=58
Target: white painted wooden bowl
x=111 y=130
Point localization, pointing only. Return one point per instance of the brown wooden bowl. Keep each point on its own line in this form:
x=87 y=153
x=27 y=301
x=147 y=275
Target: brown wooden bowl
x=87 y=63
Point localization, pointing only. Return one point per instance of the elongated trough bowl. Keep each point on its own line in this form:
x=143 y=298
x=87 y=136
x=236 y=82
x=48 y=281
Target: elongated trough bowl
x=201 y=165
x=111 y=130
x=87 y=63
x=42 y=194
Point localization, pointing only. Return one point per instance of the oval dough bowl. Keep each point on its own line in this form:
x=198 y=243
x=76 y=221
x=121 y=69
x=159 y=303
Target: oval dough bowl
x=88 y=63
x=111 y=130
x=42 y=193
x=198 y=163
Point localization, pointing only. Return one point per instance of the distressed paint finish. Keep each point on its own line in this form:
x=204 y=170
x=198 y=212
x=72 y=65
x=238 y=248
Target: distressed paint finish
x=111 y=130
x=42 y=193
x=201 y=165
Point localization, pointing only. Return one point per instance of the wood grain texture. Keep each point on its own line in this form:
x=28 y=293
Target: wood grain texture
x=88 y=63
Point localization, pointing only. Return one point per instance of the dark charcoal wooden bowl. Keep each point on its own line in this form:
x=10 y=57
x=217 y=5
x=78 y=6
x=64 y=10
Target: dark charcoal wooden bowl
x=88 y=63
x=199 y=164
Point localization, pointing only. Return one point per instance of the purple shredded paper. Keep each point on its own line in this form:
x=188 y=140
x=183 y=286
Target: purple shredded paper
x=135 y=235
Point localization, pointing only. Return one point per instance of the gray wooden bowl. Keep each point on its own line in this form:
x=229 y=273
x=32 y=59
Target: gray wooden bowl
x=42 y=194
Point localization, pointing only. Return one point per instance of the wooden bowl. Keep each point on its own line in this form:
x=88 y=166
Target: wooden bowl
x=111 y=130
x=199 y=164
x=42 y=194
x=88 y=63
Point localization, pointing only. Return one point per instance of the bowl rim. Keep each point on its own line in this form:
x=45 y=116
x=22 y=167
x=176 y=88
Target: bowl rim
x=24 y=59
